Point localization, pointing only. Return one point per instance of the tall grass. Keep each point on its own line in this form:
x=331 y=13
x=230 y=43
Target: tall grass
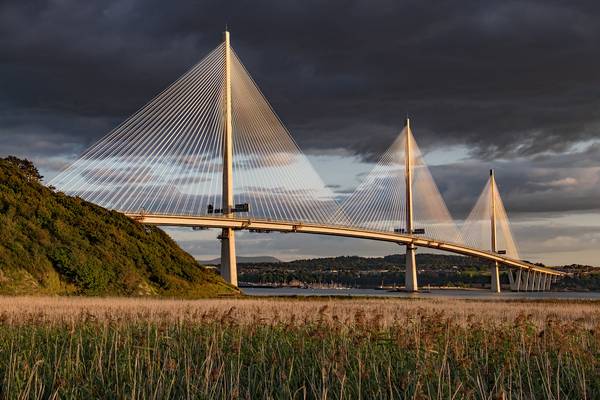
x=323 y=349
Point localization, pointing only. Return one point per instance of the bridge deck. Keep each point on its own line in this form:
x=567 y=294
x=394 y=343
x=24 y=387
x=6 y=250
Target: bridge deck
x=299 y=227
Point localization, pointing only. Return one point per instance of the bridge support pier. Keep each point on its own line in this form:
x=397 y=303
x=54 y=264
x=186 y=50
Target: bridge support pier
x=410 y=274
x=517 y=280
x=228 y=258
x=529 y=281
x=544 y=280
x=495 y=273
x=511 y=280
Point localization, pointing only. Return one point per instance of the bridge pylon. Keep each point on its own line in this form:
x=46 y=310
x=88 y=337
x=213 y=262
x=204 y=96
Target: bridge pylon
x=410 y=274
x=228 y=257
x=495 y=273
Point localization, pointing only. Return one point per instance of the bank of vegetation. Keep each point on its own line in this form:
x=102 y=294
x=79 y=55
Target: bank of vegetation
x=364 y=272
x=51 y=243
x=371 y=272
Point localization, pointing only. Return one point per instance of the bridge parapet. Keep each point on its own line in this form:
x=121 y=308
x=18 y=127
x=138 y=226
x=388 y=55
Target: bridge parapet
x=337 y=230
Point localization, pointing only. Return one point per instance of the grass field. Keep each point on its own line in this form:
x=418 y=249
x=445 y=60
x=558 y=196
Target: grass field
x=298 y=348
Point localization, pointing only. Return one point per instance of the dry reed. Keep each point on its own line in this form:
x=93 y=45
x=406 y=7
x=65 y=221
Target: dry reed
x=288 y=348
x=15 y=310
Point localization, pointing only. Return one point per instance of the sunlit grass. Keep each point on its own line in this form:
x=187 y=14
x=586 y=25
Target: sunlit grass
x=124 y=348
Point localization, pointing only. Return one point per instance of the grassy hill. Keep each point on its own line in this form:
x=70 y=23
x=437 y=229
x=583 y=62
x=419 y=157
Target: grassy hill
x=51 y=243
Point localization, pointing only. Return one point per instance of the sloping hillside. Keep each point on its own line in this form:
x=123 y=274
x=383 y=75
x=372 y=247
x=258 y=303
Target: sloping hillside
x=51 y=243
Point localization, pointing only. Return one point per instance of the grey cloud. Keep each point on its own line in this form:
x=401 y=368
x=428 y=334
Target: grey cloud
x=565 y=242
x=504 y=78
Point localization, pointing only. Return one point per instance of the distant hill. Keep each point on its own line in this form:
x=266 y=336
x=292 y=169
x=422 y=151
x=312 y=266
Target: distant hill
x=51 y=243
x=368 y=272
x=245 y=260
x=392 y=262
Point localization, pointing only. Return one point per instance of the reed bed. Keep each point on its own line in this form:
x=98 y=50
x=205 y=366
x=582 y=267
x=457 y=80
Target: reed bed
x=288 y=348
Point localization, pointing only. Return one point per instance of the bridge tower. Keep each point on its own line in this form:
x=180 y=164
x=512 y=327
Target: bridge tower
x=410 y=274
x=494 y=270
x=228 y=258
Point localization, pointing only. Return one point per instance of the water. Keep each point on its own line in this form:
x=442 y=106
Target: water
x=432 y=293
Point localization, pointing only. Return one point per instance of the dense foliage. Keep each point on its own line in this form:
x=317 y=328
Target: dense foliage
x=55 y=244
x=580 y=277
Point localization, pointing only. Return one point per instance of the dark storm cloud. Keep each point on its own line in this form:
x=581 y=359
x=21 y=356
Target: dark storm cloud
x=504 y=78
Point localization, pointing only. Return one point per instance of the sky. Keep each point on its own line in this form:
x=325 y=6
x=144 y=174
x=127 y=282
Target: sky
x=507 y=85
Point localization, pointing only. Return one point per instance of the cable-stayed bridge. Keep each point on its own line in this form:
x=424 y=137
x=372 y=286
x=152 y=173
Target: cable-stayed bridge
x=210 y=152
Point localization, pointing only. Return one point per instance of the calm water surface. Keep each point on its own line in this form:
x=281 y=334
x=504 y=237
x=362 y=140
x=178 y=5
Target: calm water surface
x=432 y=293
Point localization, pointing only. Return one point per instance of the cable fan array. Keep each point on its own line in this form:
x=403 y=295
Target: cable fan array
x=379 y=202
x=476 y=229
x=167 y=157
x=270 y=171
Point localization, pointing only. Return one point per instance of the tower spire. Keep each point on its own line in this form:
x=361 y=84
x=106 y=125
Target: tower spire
x=493 y=210
x=495 y=273
x=228 y=257
x=410 y=276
